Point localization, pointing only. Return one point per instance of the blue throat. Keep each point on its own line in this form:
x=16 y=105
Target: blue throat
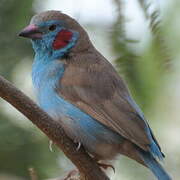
x=48 y=68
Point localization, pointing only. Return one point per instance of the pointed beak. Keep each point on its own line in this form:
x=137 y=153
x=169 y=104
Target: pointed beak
x=31 y=31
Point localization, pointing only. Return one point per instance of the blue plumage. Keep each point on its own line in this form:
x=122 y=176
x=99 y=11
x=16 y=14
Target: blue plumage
x=155 y=167
x=80 y=89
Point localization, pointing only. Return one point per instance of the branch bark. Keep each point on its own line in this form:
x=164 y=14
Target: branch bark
x=88 y=168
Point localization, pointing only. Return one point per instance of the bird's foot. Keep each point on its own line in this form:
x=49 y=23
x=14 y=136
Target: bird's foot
x=106 y=166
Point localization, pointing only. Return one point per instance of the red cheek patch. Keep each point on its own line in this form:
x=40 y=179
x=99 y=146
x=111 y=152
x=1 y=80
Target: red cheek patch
x=62 y=39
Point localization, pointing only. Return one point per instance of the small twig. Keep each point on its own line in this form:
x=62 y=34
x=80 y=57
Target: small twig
x=33 y=174
x=155 y=25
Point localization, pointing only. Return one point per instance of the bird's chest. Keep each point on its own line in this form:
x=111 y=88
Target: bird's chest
x=45 y=77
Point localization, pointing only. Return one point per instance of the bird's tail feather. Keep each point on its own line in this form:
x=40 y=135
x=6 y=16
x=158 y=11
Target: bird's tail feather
x=154 y=166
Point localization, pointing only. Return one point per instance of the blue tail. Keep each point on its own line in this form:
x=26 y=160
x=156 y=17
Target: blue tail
x=154 y=166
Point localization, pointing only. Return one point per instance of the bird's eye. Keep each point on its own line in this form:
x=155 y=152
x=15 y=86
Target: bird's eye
x=52 y=27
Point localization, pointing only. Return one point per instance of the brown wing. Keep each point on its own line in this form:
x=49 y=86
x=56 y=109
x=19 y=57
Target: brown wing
x=95 y=88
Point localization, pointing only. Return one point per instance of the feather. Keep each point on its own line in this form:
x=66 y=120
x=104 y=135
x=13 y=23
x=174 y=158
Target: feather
x=154 y=166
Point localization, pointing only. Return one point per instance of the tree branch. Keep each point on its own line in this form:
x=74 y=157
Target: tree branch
x=88 y=168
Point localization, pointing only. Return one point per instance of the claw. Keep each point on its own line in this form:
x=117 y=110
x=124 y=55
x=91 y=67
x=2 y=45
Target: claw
x=78 y=147
x=106 y=166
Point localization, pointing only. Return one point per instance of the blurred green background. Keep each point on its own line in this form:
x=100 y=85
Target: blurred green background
x=140 y=37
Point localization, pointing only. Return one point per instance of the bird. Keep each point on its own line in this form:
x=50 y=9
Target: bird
x=79 y=88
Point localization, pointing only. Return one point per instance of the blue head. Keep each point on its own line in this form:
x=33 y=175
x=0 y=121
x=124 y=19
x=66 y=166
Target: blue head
x=55 y=34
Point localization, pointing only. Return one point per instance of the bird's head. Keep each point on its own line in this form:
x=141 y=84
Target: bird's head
x=55 y=33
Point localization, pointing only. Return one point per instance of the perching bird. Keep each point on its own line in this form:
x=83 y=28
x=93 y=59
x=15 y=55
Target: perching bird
x=79 y=88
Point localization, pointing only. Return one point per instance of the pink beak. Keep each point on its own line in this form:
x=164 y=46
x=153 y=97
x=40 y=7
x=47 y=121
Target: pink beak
x=31 y=31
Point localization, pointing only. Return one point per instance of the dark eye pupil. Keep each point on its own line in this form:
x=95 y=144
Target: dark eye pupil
x=52 y=27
